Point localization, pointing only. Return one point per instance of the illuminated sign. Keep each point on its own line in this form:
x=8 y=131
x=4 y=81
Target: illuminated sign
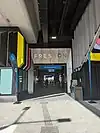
x=20 y=50
x=50 y=67
x=51 y=70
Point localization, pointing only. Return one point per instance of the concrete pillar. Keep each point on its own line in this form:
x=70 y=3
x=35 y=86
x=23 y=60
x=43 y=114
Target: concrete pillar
x=69 y=72
x=31 y=80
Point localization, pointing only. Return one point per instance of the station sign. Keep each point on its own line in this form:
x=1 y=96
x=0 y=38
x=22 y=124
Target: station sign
x=50 y=67
x=48 y=56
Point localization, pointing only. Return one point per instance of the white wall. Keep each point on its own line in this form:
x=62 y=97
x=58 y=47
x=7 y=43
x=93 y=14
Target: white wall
x=85 y=31
x=69 y=71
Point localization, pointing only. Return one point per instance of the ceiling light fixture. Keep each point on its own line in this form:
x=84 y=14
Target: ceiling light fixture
x=53 y=37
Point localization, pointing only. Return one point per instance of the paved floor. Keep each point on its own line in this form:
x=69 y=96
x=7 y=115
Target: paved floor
x=59 y=114
x=96 y=104
x=40 y=90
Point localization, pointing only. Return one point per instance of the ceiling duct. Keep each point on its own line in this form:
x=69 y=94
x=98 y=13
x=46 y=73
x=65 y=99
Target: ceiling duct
x=43 y=7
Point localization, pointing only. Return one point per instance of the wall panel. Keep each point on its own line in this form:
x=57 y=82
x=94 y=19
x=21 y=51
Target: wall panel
x=92 y=22
x=85 y=31
x=3 y=48
x=97 y=11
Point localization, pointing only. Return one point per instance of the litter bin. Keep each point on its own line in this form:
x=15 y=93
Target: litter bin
x=78 y=93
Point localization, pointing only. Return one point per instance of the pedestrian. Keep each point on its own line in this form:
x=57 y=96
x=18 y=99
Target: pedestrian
x=46 y=83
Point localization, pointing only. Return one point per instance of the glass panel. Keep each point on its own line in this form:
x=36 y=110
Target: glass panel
x=6 y=81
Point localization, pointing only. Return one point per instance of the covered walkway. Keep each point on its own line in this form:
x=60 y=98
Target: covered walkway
x=59 y=114
x=40 y=90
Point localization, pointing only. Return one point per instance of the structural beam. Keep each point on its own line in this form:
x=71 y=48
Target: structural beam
x=79 y=11
x=51 y=45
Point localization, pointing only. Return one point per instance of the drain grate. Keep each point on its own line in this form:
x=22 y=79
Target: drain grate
x=26 y=108
x=64 y=120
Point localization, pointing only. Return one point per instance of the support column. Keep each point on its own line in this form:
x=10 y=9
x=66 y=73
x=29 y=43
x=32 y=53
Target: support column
x=30 y=81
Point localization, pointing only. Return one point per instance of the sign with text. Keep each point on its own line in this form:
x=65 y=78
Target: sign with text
x=48 y=56
x=50 y=67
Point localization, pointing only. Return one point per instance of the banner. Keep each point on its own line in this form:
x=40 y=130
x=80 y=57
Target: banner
x=20 y=50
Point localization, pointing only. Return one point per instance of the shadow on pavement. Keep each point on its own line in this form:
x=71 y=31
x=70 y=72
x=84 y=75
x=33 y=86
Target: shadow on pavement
x=30 y=122
x=16 y=121
x=44 y=121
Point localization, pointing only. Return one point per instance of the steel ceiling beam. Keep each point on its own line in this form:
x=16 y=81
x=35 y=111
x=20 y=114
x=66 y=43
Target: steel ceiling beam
x=65 y=10
x=57 y=44
x=43 y=7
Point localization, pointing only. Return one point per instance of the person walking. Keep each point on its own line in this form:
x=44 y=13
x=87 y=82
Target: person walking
x=46 y=83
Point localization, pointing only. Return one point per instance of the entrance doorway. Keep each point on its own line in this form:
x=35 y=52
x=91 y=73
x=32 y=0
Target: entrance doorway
x=50 y=79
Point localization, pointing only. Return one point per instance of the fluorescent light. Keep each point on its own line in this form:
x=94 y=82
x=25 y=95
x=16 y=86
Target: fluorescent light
x=53 y=37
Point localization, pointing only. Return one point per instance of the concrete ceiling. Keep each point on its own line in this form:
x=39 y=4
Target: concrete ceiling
x=15 y=13
x=59 y=19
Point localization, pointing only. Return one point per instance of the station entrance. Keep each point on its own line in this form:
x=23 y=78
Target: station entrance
x=50 y=79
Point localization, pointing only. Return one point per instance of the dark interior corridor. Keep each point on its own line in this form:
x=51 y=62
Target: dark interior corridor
x=56 y=80
x=45 y=91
